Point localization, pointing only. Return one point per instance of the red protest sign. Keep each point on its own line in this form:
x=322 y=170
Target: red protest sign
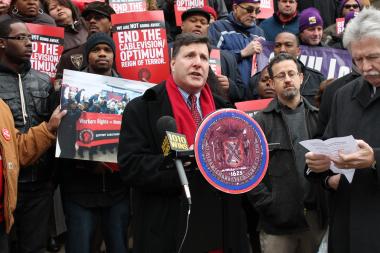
x=47 y=47
x=215 y=61
x=126 y=6
x=92 y=132
x=254 y=65
x=251 y=107
x=182 y=5
x=339 y=25
x=267 y=9
x=81 y=4
x=141 y=46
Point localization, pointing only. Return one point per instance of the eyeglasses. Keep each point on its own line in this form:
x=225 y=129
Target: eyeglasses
x=96 y=16
x=282 y=76
x=349 y=6
x=250 y=9
x=24 y=38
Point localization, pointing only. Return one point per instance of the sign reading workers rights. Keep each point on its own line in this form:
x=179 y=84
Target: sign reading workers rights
x=141 y=46
x=47 y=47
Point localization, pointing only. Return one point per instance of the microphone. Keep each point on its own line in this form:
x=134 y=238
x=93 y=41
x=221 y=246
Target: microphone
x=176 y=143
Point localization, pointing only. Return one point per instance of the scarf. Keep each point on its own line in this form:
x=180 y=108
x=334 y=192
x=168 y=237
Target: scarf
x=181 y=111
x=285 y=20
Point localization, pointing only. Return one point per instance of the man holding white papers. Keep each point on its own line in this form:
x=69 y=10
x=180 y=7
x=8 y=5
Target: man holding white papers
x=355 y=216
x=293 y=214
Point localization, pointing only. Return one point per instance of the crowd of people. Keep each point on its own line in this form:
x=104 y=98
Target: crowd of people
x=100 y=102
x=139 y=204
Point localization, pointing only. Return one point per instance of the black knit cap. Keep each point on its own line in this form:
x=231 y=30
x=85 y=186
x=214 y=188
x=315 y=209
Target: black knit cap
x=98 y=7
x=195 y=11
x=98 y=38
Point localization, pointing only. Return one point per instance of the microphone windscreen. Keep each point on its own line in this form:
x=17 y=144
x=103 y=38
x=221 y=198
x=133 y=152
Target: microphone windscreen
x=166 y=123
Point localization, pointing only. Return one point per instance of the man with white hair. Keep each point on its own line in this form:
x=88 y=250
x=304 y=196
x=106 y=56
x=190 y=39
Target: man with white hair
x=355 y=216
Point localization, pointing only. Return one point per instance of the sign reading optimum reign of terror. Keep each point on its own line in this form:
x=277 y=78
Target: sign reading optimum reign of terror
x=47 y=47
x=141 y=46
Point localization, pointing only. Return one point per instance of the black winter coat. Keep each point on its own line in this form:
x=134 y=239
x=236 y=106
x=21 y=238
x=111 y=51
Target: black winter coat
x=37 y=90
x=355 y=207
x=279 y=198
x=328 y=96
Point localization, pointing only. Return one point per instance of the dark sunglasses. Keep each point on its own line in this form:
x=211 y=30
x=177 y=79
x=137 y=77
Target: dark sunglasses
x=250 y=9
x=95 y=16
x=349 y=6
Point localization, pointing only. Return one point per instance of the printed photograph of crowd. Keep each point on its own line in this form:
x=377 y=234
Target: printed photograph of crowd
x=90 y=129
x=101 y=102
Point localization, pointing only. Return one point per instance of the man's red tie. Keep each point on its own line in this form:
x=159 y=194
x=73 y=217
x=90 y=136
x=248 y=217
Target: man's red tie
x=194 y=110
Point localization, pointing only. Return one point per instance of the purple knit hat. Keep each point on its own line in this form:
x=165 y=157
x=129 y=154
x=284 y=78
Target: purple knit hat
x=343 y=2
x=309 y=17
x=246 y=1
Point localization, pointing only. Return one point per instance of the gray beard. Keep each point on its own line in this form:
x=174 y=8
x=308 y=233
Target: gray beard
x=290 y=94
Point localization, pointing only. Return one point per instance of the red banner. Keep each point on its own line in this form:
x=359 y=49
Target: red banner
x=181 y=6
x=92 y=131
x=253 y=106
x=141 y=46
x=126 y=6
x=215 y=61
x=81 y=4
x=267 y=9
x=47 y=46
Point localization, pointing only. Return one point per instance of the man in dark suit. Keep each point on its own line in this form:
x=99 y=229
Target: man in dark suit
x=159 y=205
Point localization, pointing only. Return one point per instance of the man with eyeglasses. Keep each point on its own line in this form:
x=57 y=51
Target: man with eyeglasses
x=27 y=91
x=97 y=16
x=284 y=20
x=239 y=34
x=291 y=209
x=330 y=36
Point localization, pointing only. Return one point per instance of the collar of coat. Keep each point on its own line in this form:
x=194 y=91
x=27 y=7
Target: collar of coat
x=274 y=106
x=25 y=68
x=362 y=92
